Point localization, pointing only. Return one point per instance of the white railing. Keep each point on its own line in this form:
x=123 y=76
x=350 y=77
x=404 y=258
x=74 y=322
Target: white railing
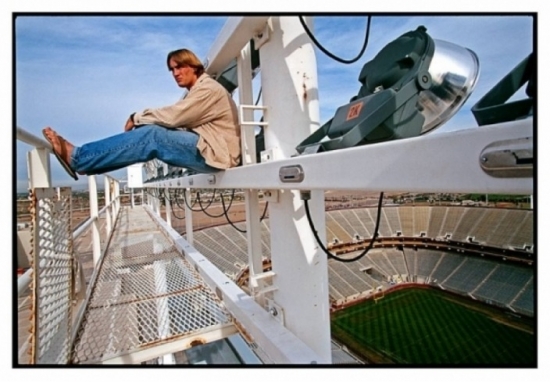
x=40 y=177
x=110 y=210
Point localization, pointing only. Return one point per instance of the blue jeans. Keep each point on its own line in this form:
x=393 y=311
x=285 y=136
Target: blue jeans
x=174 y=147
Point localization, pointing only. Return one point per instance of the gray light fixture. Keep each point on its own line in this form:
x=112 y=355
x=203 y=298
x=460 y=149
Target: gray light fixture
x=412 y=86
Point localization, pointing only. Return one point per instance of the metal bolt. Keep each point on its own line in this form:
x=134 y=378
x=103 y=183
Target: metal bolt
x=484 y=159
x=273 y=312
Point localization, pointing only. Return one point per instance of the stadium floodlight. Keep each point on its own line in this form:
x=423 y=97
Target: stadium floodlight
x=412 y=86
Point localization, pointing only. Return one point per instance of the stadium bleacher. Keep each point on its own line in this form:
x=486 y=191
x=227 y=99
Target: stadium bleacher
x=504 y=284
x=468 y=224
x=436 y=221
x=487 y=280
x=355 y=223
x=452 y=219
x=406 y=216
x=469 y=275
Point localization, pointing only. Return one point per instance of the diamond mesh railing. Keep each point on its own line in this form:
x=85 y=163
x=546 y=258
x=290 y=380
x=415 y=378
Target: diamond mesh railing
x=52 y=283
x=145 y=294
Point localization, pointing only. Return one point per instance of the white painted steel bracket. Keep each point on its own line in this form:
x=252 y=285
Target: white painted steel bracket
x=234 y=35
x=262 y=37
x=271 y=196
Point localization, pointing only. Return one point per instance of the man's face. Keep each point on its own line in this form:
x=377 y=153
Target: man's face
x=184 y=75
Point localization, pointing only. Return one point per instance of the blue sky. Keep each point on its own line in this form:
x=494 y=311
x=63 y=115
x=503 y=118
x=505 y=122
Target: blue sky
x=84 y=75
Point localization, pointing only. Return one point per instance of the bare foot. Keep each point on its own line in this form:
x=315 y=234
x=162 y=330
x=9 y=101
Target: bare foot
x=62 y=146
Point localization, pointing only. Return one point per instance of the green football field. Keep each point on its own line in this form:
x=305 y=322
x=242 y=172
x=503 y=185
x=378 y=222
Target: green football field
x=430 y=327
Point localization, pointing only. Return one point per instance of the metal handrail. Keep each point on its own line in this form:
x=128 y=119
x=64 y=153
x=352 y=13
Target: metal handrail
x=22 y=135
x=24 y=281
x=32 y=140
x=88 y=222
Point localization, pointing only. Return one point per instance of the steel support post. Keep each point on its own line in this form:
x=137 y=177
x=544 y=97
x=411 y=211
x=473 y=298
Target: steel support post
x=248 y=144
x=96 y=241
x=290 y=90
x=163 y=309
x=168 y=206
x=188 y=217
x=117 y=197
x=38 y=168
x=107 y=193
x=113 y=207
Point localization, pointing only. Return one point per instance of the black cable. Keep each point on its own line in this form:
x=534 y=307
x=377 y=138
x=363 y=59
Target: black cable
x=258 y=98
x=265 y=211
x=187 y=204
x=161 y=193
x=343 y=61
x=227 y=217
x=330 y=255
x=176 y=216
x=172 y=200
x=177 y=202
x=203 y=209
x=220 y=215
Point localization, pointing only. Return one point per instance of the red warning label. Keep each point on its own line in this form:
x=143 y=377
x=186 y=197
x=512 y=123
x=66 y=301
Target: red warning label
x=354 y=111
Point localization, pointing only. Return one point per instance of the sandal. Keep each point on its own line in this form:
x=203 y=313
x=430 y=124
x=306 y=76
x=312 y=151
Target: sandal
x=62 y=155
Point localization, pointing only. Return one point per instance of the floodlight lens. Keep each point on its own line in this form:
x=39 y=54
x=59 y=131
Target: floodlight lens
x=455 y=72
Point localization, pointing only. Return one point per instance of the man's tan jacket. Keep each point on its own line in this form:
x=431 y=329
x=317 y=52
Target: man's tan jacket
x=209 y=111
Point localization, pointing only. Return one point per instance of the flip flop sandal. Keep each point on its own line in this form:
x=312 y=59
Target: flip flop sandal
x=60 y=156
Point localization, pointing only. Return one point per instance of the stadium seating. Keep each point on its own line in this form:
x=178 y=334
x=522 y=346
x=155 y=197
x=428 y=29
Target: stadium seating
x=504 y=284
x=436 y=221
x=469 y=275
x=406 y=216
x=496 y=283
x=356 y=224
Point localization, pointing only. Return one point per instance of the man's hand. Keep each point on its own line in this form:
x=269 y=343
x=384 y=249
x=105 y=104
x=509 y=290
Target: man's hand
x=130 y=123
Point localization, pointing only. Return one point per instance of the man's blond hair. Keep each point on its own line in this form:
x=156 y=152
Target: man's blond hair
x=186 y=57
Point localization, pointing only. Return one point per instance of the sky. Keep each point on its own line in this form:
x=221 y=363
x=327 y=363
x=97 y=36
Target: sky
x=83 y=75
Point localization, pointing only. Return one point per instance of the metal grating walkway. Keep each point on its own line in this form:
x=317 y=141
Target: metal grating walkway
x=146 y=299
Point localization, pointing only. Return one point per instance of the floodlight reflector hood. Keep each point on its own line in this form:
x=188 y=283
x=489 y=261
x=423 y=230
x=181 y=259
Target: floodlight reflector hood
x=455 y=72
x=412 y=86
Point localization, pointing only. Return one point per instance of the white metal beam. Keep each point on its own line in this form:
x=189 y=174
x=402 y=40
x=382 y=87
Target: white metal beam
x=436 y=162
x=248 y=147
x=234 y=35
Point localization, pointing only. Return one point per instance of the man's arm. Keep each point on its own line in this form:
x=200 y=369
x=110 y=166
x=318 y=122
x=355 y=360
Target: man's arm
x=194 y=110
x=130 y=123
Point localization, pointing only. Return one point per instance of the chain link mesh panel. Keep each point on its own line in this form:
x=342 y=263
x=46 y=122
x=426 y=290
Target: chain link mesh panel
x=145 y=294
x=52 y=283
